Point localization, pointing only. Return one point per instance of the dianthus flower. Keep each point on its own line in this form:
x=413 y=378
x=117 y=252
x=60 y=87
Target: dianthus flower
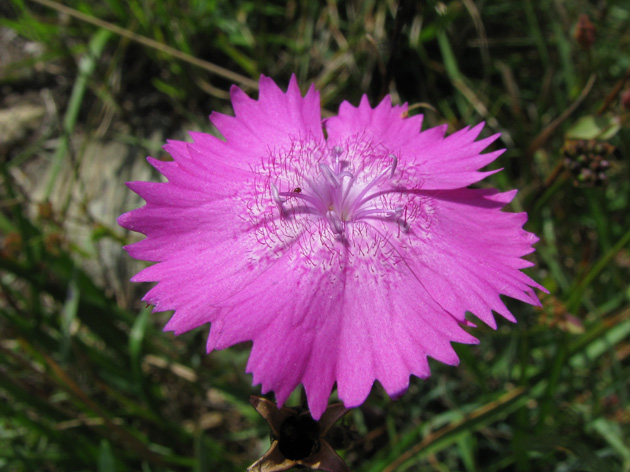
x=347 y=250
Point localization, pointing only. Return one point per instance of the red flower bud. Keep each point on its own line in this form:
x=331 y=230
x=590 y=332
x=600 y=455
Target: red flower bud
x=585 y=32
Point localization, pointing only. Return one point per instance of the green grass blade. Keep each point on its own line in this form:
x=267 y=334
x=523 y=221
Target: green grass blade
x=87 y=65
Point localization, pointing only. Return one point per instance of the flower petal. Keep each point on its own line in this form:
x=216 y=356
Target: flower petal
x=390 y=326
x=316 y=327
x=292 y=314
x=433 y=161
x=271 y=122
x=471 y=253
x=384 y=124
x=348 y=275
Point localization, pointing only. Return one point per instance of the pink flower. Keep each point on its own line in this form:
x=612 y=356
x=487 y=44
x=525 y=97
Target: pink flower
x=347 y=253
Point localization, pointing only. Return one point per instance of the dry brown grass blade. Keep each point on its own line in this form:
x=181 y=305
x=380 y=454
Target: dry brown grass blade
x=473 y=11
x=182 y=56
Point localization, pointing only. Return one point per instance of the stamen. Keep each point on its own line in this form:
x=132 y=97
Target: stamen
x=387 y=213
x=334 y=195
x=361 y=198
x=393 y=167
x=329 y=174
x=335 y=222
x=346 y=191
x=336 y=152
x=276 y=195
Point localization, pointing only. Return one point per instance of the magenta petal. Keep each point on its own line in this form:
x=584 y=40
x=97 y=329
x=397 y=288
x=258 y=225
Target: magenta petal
x=436 y=162
x=388 y=337
x=348 y=259
x=463 y=265
x=293 y=317
x=271 y=122
x=316 y=328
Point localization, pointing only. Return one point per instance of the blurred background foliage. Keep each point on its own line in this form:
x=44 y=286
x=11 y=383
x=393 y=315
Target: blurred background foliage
x=88 y=381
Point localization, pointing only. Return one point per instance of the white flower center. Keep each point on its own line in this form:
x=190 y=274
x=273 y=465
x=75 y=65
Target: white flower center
x=342 y=195
x=356 y=204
